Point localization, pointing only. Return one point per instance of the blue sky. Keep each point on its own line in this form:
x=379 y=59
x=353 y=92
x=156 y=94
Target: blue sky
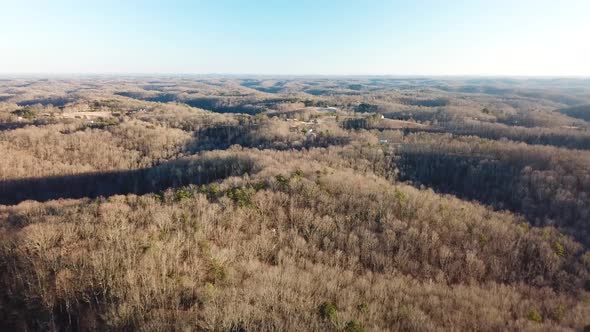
x=422 y=37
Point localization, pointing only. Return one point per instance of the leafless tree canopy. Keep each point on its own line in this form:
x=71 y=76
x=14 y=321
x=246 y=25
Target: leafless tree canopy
x=299 y=204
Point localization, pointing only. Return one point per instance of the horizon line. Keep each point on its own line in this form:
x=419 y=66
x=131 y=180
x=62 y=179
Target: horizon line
x=238 y=75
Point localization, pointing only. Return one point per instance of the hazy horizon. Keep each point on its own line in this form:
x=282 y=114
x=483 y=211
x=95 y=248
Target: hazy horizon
x=305 y=38
x=48 y=75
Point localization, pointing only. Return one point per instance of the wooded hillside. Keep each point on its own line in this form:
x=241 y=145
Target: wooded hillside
x=252 y=204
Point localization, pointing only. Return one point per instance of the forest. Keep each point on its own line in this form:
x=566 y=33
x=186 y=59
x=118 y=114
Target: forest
x=212 y=203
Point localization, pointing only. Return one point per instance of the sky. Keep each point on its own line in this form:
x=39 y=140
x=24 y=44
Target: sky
x=290 y=37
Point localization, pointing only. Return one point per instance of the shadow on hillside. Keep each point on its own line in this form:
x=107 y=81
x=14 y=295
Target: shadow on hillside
x=55 y=101
x=169 y=175
x=500 y=184
x=12 y=125
x=73 y=186
x=221 y=137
